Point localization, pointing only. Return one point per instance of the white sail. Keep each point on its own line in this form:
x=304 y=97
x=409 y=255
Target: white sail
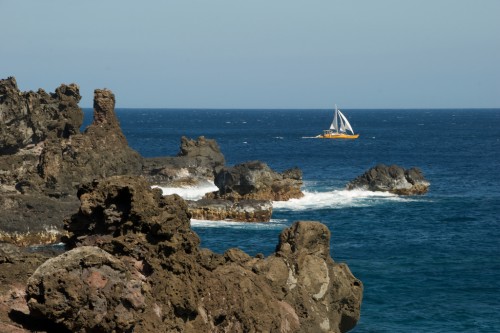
x=342 y=125
x=345 y=123
x=339 y=127
x=334 y=125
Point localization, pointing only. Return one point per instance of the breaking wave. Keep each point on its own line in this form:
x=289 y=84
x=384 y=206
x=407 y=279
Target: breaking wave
x=189 y=192
x=337 y=199
x=273 y=224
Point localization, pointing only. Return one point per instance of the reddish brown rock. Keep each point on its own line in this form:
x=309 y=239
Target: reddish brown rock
x=86 y=289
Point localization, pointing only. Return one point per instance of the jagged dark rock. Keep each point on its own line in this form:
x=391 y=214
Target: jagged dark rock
x=42 y=149
x=255 y=180
x=197 y=161
x=394 y=179
x=135 y=265
x=246 y=190
x=43 y=156
x=29 y=118
x=100 y=151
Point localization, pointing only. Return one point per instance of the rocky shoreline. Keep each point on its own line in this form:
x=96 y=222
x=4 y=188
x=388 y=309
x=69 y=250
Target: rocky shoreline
x=44 y=157
x=130 y=261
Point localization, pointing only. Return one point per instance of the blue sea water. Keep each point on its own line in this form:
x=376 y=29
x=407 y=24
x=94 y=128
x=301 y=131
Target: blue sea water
x=428 y=263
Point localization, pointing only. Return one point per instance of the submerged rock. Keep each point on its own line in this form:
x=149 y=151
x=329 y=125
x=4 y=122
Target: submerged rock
x=136 y=265
x=392 y=179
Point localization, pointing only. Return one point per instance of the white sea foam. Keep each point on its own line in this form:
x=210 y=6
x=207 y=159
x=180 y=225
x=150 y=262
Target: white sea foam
x=273 y=224
x=312 y=200
x=190 y=192
x=336 y=199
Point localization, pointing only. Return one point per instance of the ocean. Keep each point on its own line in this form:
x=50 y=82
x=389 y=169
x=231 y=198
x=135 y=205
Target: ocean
x=428 y=263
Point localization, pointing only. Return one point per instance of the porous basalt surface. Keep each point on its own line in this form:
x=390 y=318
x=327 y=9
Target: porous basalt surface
x=134 y=258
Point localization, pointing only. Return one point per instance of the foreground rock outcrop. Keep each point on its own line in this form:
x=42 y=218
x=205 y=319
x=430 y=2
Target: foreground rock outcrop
x=393 y=179
x=136 y=265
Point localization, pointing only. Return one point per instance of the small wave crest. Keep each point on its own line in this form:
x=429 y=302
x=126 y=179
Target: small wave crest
x=189 y=192
x=336 y=199
x=273 y=224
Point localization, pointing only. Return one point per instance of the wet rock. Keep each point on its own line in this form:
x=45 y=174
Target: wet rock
x=226 y=210
x=393 y=179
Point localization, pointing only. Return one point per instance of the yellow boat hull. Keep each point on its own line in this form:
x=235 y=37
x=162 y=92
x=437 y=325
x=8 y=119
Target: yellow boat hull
x=337 y=136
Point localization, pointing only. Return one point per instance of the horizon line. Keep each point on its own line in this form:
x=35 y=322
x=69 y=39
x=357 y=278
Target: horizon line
x=291 y=109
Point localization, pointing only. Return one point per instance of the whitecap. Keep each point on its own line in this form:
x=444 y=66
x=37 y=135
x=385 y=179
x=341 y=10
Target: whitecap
x=337 y=199
x=189 y=192
x=273 y=224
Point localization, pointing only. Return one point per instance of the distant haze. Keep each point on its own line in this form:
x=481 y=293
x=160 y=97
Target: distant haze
x=259 y=54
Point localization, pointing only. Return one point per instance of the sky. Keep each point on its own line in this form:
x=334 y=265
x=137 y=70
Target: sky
x=259 y=54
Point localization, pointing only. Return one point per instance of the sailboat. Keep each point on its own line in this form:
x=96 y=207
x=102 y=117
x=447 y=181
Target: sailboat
x=339 y=129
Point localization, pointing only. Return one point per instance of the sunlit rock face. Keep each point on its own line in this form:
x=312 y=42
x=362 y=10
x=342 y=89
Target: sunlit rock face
x=393 y=179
